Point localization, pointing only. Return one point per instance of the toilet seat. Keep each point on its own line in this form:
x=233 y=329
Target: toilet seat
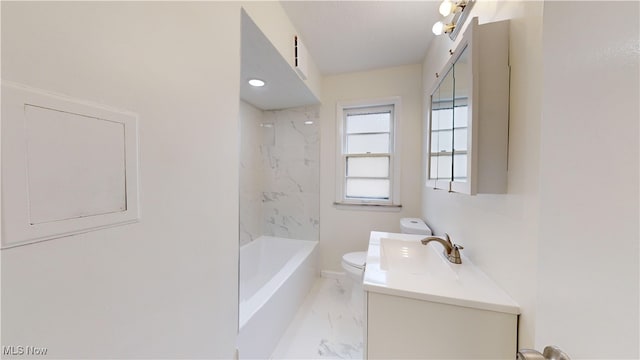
x=355 y=259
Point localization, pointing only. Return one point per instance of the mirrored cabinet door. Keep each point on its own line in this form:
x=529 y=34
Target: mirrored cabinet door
x=442 y=132
x=448 y=127
x=468 y=114
x=462 y=81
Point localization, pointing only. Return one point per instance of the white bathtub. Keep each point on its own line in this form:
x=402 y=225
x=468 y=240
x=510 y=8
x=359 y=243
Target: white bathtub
x=275 y=276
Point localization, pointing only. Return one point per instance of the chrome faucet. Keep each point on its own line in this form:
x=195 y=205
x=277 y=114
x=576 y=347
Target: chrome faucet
x=451 y=250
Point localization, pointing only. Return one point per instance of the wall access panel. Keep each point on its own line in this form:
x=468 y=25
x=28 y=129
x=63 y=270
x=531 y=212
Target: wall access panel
x=68 y=166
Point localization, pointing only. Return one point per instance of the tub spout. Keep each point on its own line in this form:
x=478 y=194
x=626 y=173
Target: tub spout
x=451 y=250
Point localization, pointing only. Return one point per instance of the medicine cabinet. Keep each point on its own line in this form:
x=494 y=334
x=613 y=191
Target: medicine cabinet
x=468 y=113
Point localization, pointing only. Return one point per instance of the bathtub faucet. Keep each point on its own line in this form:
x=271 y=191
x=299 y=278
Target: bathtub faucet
x=451 y=250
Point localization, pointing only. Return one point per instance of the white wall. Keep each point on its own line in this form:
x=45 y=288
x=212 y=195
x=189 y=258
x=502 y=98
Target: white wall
x=589 y=164
x=564 y=240
x=165 y=287
x=500 y=232
x=344 y=230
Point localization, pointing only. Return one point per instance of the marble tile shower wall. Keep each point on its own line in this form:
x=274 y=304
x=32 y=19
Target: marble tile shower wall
x=291 y=155
x=279 y=173
x=251 y=172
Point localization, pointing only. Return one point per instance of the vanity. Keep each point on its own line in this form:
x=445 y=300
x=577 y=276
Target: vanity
x=419 y=305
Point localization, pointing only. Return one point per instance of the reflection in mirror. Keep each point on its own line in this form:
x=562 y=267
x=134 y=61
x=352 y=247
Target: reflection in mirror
x=442 y=110
x=462 y=81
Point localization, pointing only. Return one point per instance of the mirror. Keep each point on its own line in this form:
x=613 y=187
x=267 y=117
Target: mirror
x=441 y=130
x=466 y=121
x=462 y=81
x=448 y=126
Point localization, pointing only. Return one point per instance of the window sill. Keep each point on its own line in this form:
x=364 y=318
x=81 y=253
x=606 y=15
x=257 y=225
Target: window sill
x=367 y=207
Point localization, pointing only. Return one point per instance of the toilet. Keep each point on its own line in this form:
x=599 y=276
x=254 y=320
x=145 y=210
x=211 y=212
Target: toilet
x=353 y=262
x=414 y=226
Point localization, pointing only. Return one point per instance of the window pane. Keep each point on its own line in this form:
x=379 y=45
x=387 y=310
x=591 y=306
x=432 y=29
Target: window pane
x=460 y=167
x=444 y=167
x=460 y=139
x=368 y=188
x=445 y=119
x=434 y=167
x=368 y=166
x=461 y=114
x=434 y=141
x=435 y=119
x=362 y=123
x=445 y=140
x=368 y=144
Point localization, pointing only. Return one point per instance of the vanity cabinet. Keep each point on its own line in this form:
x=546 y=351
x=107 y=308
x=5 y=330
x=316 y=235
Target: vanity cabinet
x=467 y=117
x=419 y=305
x=404 y=328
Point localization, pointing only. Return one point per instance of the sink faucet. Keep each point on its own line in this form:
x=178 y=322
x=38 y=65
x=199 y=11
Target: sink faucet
x=451 y=250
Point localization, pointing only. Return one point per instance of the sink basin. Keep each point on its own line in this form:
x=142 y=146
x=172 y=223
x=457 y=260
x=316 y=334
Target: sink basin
x=411 y=257
x=398 y=264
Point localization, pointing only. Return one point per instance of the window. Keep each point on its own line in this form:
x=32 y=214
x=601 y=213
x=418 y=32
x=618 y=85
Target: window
x=449 y=140
x=367 y=159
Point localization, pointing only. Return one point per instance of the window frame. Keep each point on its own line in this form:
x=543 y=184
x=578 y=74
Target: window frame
x=342 y=109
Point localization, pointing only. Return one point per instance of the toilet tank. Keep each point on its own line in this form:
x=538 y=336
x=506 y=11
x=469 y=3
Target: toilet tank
x=414 y=226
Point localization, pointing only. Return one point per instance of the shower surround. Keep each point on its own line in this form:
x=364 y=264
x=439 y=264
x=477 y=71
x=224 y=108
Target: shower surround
x=279 y=173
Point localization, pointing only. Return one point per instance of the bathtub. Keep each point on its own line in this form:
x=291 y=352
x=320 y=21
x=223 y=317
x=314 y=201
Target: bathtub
x=275 y=276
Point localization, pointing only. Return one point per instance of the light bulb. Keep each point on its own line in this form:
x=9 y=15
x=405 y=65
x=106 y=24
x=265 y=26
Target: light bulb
x=256 y=82
x=438 y=28
x=447 y=7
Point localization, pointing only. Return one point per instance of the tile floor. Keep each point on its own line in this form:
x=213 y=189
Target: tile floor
x=328 y=325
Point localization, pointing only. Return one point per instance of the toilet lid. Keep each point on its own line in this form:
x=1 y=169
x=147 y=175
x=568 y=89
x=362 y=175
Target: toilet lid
x=355 y=259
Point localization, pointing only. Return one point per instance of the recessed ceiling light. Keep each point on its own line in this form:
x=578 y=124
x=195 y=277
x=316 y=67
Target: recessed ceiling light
x=256 y=82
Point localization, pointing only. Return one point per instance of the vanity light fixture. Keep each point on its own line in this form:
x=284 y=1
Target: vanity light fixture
x=256 y=82
x=449 y=7
x=440 y=28
x=459 y=9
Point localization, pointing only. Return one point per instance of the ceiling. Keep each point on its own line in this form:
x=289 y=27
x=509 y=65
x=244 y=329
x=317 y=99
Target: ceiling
x=261 y=60
x=347 y=36
x=341 y=36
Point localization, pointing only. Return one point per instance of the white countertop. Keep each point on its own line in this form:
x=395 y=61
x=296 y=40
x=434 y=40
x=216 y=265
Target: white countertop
x=398 y=264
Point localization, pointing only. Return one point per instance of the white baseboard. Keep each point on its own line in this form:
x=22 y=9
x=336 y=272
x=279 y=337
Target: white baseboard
x=330 y=274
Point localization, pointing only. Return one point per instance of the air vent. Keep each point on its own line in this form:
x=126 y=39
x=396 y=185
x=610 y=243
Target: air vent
x=300 y=57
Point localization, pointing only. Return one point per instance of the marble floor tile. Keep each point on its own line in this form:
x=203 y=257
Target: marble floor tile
x=327 y=326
